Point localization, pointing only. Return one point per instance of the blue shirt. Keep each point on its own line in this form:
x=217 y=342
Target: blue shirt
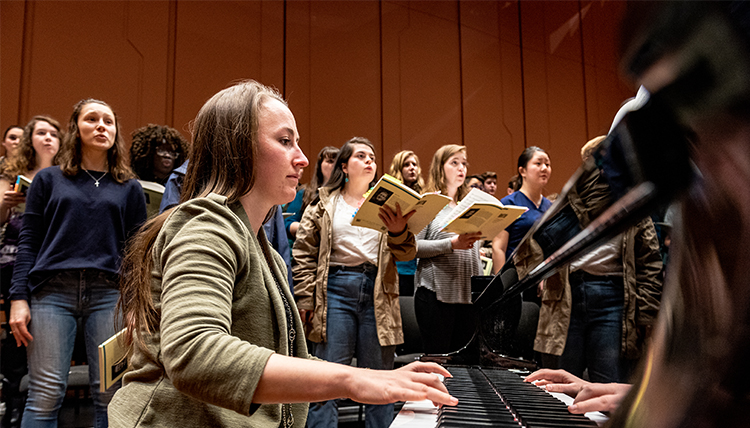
x=407 y=268
x=295 y=208
x=173 y=187
x=70 y=223
x=518 y=229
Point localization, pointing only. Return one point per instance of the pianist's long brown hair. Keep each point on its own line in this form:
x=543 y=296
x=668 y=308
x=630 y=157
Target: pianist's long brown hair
x=221 y=161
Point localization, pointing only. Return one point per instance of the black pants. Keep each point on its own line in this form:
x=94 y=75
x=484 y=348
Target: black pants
x=445 y=327
x=406 y=285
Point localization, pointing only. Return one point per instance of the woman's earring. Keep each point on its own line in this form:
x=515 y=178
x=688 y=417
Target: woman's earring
x=346 y=178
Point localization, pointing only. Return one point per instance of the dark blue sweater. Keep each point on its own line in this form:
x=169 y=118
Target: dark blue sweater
x=69 y=223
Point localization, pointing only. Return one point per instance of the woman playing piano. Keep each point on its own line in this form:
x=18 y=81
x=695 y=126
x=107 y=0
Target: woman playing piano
x=216 y=337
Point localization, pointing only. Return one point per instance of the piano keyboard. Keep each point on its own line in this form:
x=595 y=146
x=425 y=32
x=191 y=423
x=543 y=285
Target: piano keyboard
x=517 y=404
x=500 y=398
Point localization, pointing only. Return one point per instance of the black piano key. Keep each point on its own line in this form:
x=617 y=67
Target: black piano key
x=465 y=423
x=477 y=418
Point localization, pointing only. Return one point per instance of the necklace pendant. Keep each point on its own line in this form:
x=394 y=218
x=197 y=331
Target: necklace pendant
x=96 y=183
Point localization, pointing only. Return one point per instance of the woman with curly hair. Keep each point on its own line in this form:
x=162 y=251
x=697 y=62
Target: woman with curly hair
x=156 y=151
x=76 y=221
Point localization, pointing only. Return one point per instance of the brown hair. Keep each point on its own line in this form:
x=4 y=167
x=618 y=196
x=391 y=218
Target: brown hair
x=338 y=177
x=222 y=156
x=487 y=175
x=397 y=165
x=436 y=179
x=589 y=147
x=311 y=189
x=70 y=149
x=514 y=183
x=24 y=158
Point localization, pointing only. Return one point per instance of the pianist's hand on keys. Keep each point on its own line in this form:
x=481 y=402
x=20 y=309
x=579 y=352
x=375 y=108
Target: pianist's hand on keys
x=589 y=397
x=414 y=382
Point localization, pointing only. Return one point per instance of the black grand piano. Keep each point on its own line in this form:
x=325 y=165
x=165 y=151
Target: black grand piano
x=487 y=371
x=709 y=73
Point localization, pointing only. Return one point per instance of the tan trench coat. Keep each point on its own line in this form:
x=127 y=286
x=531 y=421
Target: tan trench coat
x=641 y=268
x=311 y=252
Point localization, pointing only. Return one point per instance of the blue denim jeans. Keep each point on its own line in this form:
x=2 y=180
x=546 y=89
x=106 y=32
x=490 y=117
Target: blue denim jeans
x=351 y=331
x=595 y=332
x=86 y=294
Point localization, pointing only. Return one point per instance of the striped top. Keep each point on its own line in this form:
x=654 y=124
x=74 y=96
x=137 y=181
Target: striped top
x=442 y=269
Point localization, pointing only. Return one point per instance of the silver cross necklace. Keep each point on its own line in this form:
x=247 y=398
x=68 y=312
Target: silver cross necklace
x=96 y=182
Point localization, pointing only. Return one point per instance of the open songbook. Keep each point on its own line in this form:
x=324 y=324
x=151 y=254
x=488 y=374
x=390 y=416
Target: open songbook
x=480 y=211
x=389 y=191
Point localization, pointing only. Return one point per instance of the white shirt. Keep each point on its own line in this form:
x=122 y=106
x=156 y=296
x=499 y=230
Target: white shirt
x=351 y=245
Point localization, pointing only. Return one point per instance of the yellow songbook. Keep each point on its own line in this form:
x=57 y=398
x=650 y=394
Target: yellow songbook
x=482 y=212
x=113 y=360
x=389 y=191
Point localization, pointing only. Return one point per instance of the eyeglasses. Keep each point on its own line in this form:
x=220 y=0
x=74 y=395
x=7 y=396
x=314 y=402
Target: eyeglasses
x=166 y=153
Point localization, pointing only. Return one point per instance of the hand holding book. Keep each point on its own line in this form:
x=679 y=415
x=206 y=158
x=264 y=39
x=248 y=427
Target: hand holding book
x=390 y=192
x=17 y=196
x=12 y=198
x=395 y=221
x=465 y=240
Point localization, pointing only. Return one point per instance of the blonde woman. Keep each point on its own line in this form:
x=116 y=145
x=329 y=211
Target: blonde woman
x=405 y=167
x=447 y=262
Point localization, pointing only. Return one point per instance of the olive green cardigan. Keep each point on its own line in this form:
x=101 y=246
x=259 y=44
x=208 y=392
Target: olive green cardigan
x=222 y=318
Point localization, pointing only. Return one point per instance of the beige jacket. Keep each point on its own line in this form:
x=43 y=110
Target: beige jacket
x=641 y=268
x=311 y=252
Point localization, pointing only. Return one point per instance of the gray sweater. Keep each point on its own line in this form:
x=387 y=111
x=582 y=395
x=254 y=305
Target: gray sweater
x=442 y=269
x=222 y=317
